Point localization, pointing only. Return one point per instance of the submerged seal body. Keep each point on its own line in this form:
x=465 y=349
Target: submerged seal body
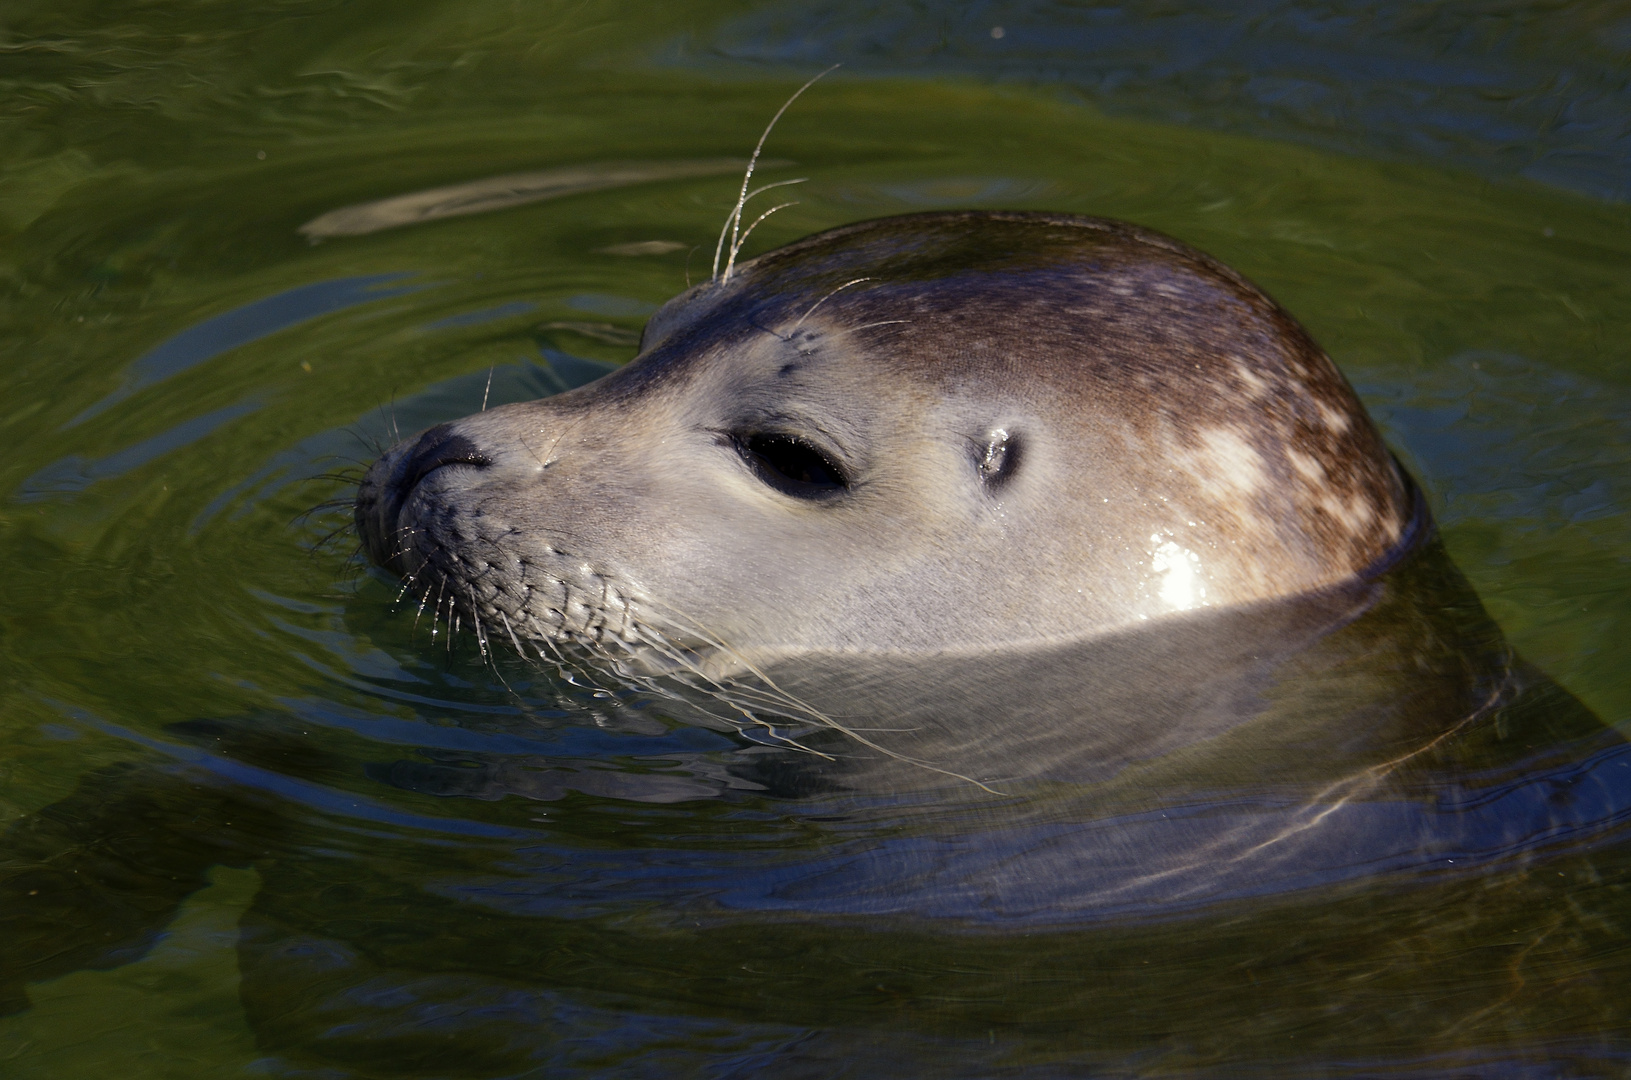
x=918 y=435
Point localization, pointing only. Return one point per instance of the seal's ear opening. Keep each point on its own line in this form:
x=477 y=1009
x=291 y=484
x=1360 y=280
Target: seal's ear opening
x=997 y=456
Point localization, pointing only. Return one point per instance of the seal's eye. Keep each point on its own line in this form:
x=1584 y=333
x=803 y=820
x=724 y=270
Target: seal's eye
x=791 y=465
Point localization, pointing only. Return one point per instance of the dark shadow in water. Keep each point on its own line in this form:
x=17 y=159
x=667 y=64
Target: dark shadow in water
x=1350 y=833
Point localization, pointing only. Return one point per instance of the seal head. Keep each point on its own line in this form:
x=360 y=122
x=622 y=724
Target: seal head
x=923 y=434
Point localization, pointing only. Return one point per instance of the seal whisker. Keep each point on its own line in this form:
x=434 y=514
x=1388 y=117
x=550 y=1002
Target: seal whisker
x=368 y=441
x=326 y=537
x=765 y=329
x=736 y=245
x=436 y=612
x=762 y=188
x=408 y=583
x=327 y=504
x=734 y=220
x=824 y=718
x=870 y=325
x=511 y=631
x=353 y=564
x=402 y=548
x=1369 y=779
x=571 y=427
x=400 y=593
x=829 y=296
x=480 y=631
x=492 y=661
x=725 y=694
x=544 y=638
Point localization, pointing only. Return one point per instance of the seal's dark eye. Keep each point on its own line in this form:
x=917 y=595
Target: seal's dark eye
x=791 y=465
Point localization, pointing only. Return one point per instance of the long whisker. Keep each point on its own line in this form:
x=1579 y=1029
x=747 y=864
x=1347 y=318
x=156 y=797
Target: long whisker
x=734 y=221
x=436 y=612
x=806 y=709
x=829 y=296
x=511 y=631
x=870 y=325
x=762 y=188
x=736 y=245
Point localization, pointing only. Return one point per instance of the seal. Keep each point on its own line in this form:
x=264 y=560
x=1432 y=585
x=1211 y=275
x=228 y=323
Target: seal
x=945 y=432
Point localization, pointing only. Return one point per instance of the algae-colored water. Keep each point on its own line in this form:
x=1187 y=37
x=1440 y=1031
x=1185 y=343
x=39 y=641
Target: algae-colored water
x=244 y=837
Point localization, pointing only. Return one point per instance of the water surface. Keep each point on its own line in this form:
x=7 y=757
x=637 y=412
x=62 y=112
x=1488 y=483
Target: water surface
x=261 y=822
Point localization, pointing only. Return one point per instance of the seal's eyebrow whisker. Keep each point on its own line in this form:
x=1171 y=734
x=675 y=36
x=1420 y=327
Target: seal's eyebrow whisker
x=542 y=464
x=578 y=422
x=734 y=221
x=824 y=299
x=870 y=325
x=760 y=326
x=762 y=188
x=736 y=243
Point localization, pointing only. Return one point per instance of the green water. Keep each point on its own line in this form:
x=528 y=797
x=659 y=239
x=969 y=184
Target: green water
x=161 y=568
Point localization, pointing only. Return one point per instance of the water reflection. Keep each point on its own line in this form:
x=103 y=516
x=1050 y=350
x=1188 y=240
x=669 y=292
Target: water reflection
x=74 y=473
x=222 y=333
x=457 y=876
x=1366 y=775
x=1530 y=89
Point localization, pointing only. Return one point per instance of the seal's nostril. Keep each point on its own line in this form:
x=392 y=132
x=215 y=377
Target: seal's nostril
x=437 y=447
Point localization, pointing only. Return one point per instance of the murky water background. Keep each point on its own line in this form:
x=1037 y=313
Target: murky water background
x=318 y=842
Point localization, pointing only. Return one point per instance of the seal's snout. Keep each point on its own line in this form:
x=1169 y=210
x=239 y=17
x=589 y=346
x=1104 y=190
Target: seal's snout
x=436 y=448
x=393 y=479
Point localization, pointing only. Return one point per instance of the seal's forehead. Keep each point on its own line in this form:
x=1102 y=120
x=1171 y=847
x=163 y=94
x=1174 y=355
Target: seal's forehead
x=928 y=248
x=957 y=279
x=968 y=260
